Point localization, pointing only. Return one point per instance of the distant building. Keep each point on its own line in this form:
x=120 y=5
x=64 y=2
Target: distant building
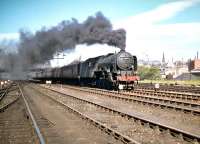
x=171 y=70
x=194 y=68
x=177 y=69
x=194 y=65
x=163 y=67
x=180 y=70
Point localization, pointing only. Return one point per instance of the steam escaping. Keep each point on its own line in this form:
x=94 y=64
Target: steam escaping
x=45 y=43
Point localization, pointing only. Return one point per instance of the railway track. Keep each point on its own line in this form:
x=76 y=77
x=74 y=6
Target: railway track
x=170 y=116
x=15 y=125
x=169 y=94
x=47 y=134
x=176 y=88
x=6 y=99
x=3 y=92
x=151 y=124
x=34 y=123
x=65 y=126
x=117 y=135
x=187 y=107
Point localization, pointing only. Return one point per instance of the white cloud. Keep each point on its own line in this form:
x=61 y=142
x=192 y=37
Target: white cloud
x=9 y=36
x=145 y=37
x=158 y=14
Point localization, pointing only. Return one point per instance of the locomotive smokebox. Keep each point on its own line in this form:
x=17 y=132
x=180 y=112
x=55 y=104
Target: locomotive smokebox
x=121 y=61
x=125 y=61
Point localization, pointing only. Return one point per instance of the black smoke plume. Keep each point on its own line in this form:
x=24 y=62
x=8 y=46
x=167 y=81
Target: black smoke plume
x=40 y=47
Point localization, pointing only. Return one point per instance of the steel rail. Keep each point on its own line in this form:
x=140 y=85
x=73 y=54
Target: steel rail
x=108 y=130
x=37 y=130
x=171 y=94
x=155 y=98
x=142 y=99
x=152 y=123
x=4 y=93
x=174 y=88
x=2 y=109
x=159 y=93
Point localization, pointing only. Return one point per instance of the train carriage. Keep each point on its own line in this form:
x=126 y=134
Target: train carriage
x=111 y=71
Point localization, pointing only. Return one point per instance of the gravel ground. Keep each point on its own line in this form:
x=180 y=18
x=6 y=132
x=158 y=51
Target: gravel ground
x=68 y=128
x=140 y=133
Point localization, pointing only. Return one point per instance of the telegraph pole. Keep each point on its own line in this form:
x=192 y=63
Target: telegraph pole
x=58 y=58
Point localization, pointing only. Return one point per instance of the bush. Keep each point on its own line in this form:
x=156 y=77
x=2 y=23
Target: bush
x=151 y=73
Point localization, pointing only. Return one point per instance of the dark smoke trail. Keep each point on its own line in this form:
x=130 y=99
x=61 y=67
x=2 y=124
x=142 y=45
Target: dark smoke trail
x=42 y=46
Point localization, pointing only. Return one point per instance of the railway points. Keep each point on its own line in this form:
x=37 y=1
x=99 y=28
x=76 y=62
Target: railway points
x=15 y=126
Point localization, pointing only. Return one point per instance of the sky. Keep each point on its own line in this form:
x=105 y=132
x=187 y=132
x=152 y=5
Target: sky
x=153 y=27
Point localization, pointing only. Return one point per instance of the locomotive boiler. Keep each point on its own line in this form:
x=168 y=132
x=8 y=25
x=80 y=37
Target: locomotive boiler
x=111 y=71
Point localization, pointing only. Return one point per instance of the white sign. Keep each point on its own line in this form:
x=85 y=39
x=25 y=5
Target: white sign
x=48 y=82
x=157 y=85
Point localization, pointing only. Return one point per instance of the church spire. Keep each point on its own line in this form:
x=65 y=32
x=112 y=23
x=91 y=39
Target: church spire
x=163 y=65
x=163 y=58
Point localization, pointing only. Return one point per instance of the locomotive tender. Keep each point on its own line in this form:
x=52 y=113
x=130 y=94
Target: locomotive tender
x=111 y=71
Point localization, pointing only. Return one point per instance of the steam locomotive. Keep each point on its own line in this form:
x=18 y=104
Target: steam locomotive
x=111 y=71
